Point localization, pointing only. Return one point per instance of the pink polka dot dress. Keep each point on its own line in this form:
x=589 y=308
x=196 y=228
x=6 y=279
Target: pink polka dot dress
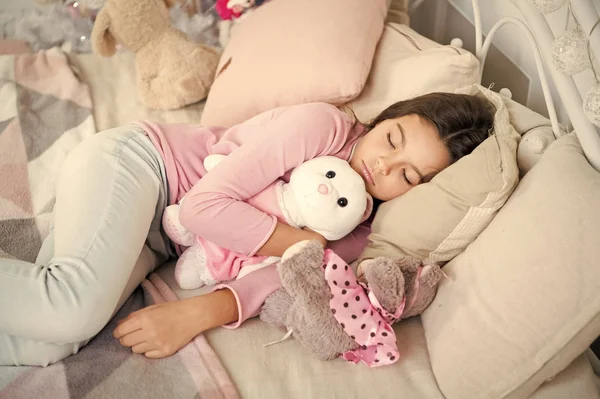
x=360 y=315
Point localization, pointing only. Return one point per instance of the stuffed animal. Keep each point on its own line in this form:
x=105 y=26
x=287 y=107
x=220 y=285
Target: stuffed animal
x=324 y=194
x=331 y=313
x=230 y=11
x=172 y=71
x=189 y=6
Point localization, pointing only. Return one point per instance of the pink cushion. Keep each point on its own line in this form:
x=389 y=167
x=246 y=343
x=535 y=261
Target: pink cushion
x=295 y=51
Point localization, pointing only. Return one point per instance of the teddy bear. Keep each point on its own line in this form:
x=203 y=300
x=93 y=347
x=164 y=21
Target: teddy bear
x=332 y=313
x=324 y=194
x=171 y=70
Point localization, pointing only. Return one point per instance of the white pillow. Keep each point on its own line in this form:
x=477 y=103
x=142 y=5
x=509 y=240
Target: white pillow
x=407 y=65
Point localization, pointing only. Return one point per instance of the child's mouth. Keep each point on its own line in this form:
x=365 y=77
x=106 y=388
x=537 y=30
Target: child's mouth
x=368 y=174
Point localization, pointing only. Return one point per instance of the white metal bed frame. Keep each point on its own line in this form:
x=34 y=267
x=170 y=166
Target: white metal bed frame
x=539 y=34
x=586 y=14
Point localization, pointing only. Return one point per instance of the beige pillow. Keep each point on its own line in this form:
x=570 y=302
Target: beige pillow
x=437 y=220
x=406 y=65
x=536 y=131
x=522 y=301
x=295 y=51
x=576 y=381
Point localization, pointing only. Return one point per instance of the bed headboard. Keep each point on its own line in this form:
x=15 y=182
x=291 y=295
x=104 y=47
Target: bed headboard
x=536 y=37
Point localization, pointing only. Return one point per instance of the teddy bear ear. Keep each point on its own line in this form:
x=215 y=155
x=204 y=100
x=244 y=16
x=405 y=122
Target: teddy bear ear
x=103 y=42
x=368 y=209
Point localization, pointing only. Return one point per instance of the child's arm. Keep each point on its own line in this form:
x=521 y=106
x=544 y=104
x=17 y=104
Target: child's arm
x=214 y=208
x=249 y=293
x=285 y=236
x=161 y=330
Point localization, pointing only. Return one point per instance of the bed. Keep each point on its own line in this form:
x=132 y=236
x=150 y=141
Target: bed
x=230 y=364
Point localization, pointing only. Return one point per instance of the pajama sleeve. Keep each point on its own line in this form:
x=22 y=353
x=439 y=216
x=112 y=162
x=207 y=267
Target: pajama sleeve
x=251 y=291
x=214 y=208
x=351 y=246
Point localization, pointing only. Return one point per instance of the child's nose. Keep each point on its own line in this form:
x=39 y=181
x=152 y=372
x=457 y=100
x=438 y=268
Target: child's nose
x=323 y=189
x=384 y=166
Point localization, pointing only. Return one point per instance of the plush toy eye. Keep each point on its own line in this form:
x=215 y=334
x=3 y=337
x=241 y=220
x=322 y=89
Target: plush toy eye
x=330 y=174
x=342 y=202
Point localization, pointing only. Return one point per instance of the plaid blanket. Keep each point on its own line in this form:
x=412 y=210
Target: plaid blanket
x=105 y=369
x=44 y=113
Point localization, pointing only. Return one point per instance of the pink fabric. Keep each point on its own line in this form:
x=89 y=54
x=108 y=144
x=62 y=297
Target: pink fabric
x=417 y=287
x=267 y=201
x=260 y=150
x=225 y=12
x=251 y=291
x=350 y=247
x=352 y=308
x=223 y=264
x=271 y=56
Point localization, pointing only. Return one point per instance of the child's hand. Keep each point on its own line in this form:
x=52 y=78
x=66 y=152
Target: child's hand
x=161 y=330
x=157 y=331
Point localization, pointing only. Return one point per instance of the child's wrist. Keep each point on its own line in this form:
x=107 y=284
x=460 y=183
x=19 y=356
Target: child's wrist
x=321 y=239
x=225 y=307
x=316 y=236
x=211 y=310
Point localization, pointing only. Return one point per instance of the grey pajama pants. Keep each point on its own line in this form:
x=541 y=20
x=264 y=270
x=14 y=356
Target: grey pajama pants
x=110 y=196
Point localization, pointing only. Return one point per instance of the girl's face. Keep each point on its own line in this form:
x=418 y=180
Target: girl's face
x=398 y=154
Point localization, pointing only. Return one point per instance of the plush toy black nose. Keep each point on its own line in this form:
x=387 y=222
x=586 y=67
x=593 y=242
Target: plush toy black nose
x=330 y=174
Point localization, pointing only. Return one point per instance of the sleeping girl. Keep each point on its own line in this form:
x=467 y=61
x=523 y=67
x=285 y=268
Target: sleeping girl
x=114 y=187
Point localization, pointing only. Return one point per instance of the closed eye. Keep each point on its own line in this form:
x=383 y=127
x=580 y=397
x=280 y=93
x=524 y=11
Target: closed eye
x=406 y=178
x=389 y=137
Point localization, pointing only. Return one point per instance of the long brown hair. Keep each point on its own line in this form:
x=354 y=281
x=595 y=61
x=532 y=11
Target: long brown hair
x=463 y=121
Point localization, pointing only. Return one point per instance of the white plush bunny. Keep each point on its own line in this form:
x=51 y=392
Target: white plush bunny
x=324 y=194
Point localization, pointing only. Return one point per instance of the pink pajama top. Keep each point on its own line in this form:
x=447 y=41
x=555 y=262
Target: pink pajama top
x=260 y=150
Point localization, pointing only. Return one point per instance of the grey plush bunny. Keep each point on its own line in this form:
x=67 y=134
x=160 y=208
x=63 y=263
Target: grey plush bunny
x=302 y=305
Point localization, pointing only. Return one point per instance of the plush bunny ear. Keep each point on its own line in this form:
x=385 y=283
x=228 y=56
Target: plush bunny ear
x=368 y=209
x=103 y=42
